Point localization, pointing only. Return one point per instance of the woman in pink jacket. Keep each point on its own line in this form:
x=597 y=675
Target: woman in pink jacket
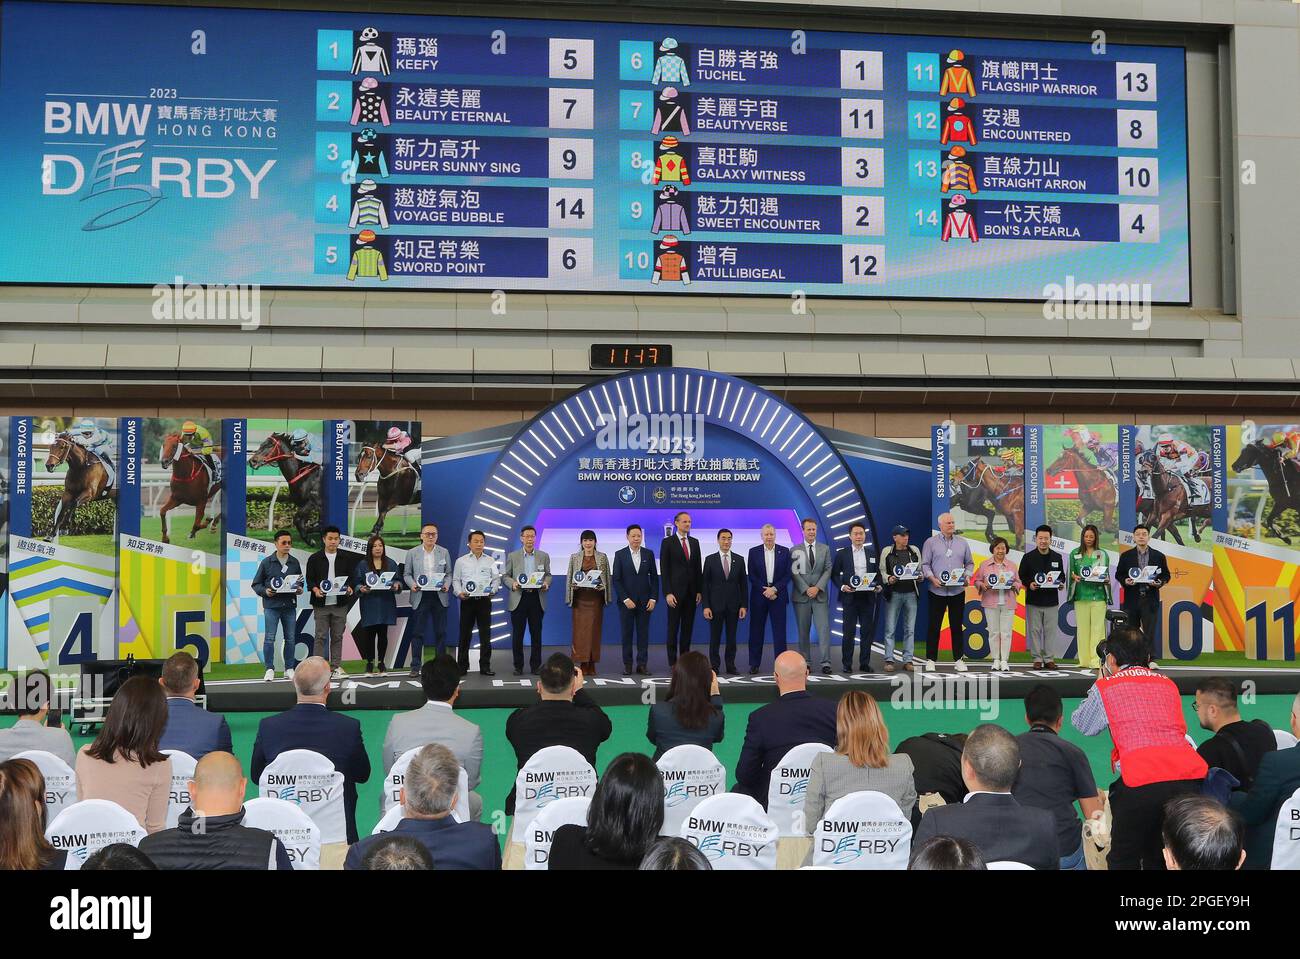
x=998 y=583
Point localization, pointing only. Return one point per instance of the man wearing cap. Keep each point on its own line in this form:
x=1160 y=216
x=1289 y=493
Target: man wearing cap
x=957 y=173
x=370 y=57
x=369 y=106
x=670 y=68
x=368 y=210
x=956 y=125
x=810 y=571
x=670 y=166
x=670 y=265
x=902 y=592
x=366 y=260
x=957 y=79
x=670 y=115
x=670 y=214
x=946 y=557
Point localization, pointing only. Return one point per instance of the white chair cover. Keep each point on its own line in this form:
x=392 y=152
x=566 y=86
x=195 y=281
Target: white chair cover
x=1007 y=865
x=291 y=825
x=85 y=827
x=178 y=799
x=1286 y=836
x=396 y=778
x=562 y=812
x=733 y=832
x=556 y=772
x=691 y=774
x=863 y=830
x=789 y=788
x=1284 y=739
x=60 y=781
x=308 y=779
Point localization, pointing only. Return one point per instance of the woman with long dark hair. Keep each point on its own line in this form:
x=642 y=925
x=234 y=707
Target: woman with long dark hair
x=623 y=821
x=378 y=603
x=692 y=712
x=124 y=763
x=22 y=819
x=588 y=588
x=1091 y=598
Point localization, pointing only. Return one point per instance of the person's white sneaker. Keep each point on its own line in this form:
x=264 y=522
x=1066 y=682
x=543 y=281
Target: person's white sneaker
x=960 y=665
x=338 y=673
x=288 y=674
x=268 y=675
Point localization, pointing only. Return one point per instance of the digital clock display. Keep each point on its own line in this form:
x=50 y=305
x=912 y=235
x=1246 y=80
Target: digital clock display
x=630 y=356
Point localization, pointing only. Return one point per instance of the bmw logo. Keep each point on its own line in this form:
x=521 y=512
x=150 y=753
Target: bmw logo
x=627 y=494
x=471 y=586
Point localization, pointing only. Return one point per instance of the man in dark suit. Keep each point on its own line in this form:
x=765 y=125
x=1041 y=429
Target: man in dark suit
x=724 y=599
x=990 y=817
x=1142 y=600
x=857 y=583
x=681 y=569
x=1276 y=781
x=428 y=795
x=793 y=719
x=190 y=729
x=565 y=716
x=309 y=725
x=636 y=587
x=769 y=595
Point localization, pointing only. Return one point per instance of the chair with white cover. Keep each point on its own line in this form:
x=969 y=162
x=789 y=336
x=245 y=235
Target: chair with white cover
x=691 y=774
x=863 y=830
x=1286 y=835
x=789 y=787
x=308 y=779
x=733 y=832
x=293 y=827
x=1007 y=865
x=551 y=774
x=541 y=831
x=1284 y=739
x=178 y=799
x=1190 y=741
x=85 y=827
x=389 y=822
x=60 y=781
x=396 y=778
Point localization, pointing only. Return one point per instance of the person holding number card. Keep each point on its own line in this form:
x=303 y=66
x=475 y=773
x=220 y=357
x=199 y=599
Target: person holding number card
x=636 y=587
x=857 y=580
x=427 y=573
x=1089 y=589
x=1043 y=572
x=900 y=564
x=377 y=581
x=329 y=572
x=273 y=582
x=587 y=589
x=1143 y=570
x=474 y=580
x=527 y=574
x=947 y=565
x=998 y=582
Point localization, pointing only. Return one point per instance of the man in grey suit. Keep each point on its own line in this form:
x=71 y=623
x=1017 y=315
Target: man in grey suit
x=434 y=722
x=33 y=695
x=810 y=571
x=427 y=573
x=527 y=574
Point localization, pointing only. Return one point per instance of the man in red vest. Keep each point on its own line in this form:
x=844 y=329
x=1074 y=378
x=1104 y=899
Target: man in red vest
x=1154 y=760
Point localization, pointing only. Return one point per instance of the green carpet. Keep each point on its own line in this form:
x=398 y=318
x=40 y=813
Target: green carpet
x=629 y=736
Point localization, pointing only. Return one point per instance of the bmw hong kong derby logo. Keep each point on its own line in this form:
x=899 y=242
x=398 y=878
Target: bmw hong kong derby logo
x=855 y=581
x=372 y=579
x=579 y=577
x=422 y=580
x=627 y=494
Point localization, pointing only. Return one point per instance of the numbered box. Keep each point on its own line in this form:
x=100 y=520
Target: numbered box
x=923 y=120
x=861 y=264
x=333 y=101
x=331 y=254
x=76 y=633
x=636 y=260
x=636 y=60
x=862 y=166
x=334 y=50
x=636 y=109
x=571 y=108
x=334 y=154
x=1136 y=130
x=636 y=209
x=1270 y=624
x=924 y=219
x=636 y=160
x=569 y=158
x=1139 y=176
x=923 y=72
x=332 y=202
x=862 y=119
x=572 y=59
x=570 y=208
x=1135 y=81
x=570 y=258
x=862 y=215
x=923 y=169
x=1139 y=223
x=185 y=617
x=861 y=70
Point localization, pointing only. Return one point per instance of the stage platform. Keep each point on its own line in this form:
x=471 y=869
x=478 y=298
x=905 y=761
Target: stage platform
x=925 y=689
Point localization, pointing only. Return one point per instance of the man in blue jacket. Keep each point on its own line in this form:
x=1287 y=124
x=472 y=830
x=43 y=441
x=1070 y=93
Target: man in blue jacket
x=769 y=594
x=309 y=725
x=279 y=604
x=636 y=584
x=190 y=729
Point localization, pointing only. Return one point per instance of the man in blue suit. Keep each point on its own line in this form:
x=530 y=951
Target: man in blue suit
x=792 y=720
x=309 y=725
x=190 y=729
x=636 y=584
x=769 y=595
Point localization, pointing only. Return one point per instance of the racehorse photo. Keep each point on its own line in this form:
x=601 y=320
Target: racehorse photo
x=979 y=490
x=85 y=481
x=1282 y=476
x=191 y=485
x=1169 y=506
x=397 y=482
x=303 y=479
x=1097 y=490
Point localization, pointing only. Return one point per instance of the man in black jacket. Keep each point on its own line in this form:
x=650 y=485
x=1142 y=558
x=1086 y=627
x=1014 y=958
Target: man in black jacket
x=331 y=601
x=210 y=833
x=1141 y=598
x=1043 y=572
x=566 y=716
x=1237 y=746
x=681 y=570
x=724 y=600
x=936 y=764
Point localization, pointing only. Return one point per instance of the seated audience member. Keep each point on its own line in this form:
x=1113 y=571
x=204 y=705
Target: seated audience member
x=674 y=854
x=30 y=731
x=118 y=856
x=1144 y=712
x=393 y=853
x=990 y=817
x=566 y=715
x=428 y=795
x=1054 y=774
x=623 y=820
x=1237 y=745
x=310 y=725
x=861 y=760
x=211 y=834
x=1277 y=780
x=124 y=763
x=435 y=722
x=946 y=853
x=190 y=729
x=692 y=712
x=936 y=765
x=1201 y=833
x=22 y=819
x=796 y=717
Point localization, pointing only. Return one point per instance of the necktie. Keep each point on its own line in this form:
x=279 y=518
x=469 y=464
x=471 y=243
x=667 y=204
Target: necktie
x=726 y=565
x=686 y=547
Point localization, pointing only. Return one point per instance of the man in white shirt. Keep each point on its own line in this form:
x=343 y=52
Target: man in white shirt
x=426 y=572
x=769 y=594
x=474 y=580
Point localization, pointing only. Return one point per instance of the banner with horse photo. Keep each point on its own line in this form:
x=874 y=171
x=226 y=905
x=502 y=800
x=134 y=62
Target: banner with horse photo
x=274 y=480
x=169 y=550
x=1172 y=479
x=1080 y=482
x=1257 y=549
x=63 y=541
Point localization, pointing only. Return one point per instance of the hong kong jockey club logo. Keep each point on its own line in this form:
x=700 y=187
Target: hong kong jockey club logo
x=627 y=494
x=660 y=495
